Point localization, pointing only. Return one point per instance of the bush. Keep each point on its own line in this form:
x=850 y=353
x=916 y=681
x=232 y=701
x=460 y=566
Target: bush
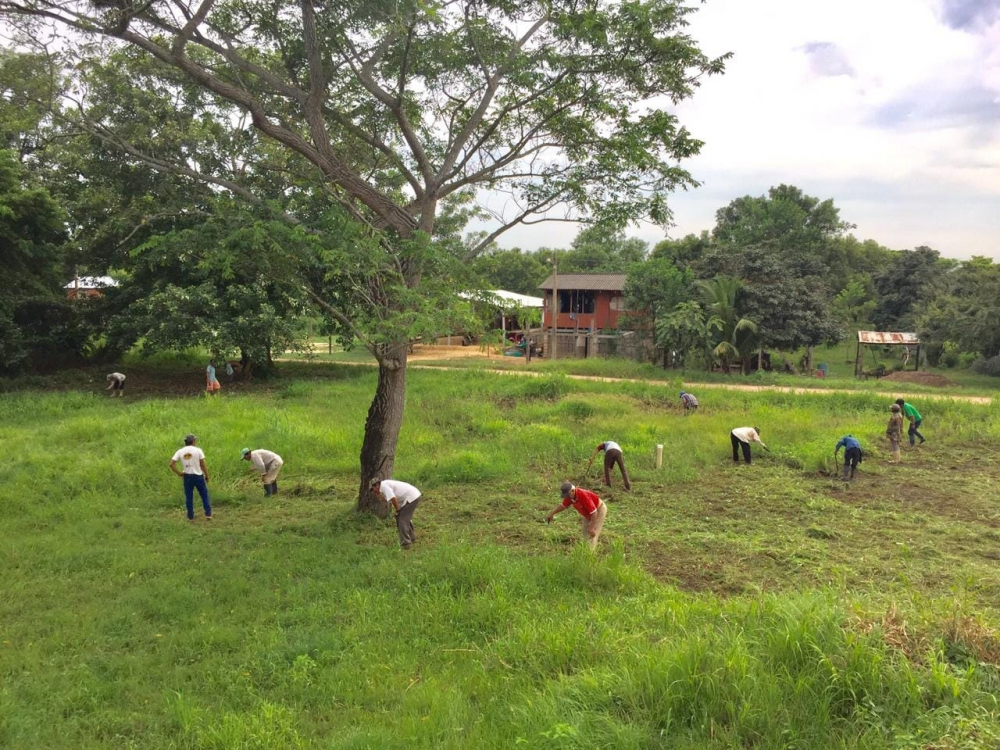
x=988 y=366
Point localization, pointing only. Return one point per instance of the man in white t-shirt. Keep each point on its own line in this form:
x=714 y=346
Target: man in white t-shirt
x=195 y=475
x=116 y=384
x=612 y=455
x=403 y=498
x=268 y=464
x=741 y=438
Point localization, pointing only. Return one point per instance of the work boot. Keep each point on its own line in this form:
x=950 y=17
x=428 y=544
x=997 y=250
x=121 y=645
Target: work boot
x=845 y=476
x=267 y=490
x=274 y=487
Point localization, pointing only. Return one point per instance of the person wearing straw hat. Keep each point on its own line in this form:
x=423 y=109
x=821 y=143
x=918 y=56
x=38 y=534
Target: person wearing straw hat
x=268 y=464
x=590 y=507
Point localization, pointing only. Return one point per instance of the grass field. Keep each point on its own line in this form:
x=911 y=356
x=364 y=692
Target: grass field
x=767 y=606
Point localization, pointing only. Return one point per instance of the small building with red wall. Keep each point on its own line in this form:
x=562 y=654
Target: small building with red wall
x=587 y=301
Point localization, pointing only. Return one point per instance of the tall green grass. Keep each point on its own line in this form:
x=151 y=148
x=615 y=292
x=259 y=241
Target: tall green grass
x=296 y=623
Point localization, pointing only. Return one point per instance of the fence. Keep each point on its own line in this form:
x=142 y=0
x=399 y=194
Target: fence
x=588 y=344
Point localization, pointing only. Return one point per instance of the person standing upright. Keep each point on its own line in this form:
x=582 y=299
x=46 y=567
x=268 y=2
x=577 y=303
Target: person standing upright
x=612 y=455
x=195 y=475
x=913 y=417
x=853 y=455
x=212 y=384
x=591 y=508
x=741 y=438
x=403 y=498
x=894 y=431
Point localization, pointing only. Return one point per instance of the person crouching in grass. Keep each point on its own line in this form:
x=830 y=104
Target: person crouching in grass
x=590 y=507
x=403 y=498
x=268 y=464
x=194 y=474
x=852 y=455
x=741 y=438
x=116 y=384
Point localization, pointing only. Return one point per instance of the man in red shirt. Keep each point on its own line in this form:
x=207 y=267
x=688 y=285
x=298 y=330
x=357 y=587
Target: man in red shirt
x=588 y=505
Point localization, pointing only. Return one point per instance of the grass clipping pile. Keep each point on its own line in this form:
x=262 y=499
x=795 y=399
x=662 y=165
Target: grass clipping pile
x=921 y=378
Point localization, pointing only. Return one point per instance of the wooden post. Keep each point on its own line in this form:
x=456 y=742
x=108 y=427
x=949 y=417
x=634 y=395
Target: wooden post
x=659 y=456
x=857 y=362
x=329 y=344
x=916 y=366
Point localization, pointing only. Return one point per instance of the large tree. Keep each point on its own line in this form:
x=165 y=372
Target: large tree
x=400 y=109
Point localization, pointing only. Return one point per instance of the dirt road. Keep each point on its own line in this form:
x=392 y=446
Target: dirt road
x=983 y=400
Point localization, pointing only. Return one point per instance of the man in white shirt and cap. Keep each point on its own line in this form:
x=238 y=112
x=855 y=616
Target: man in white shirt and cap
x=116 y=384
x=742 y=437
x=612 y=455
x=268 y=464
x=403 y=498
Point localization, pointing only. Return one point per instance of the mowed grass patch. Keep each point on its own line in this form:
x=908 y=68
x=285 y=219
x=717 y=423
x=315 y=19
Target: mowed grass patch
x=296 y=623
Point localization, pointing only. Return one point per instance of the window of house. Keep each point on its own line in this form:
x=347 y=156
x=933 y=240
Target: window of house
x=576 y=301
x=618 y=303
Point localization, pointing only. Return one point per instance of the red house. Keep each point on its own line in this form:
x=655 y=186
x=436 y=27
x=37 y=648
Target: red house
x=586 y=300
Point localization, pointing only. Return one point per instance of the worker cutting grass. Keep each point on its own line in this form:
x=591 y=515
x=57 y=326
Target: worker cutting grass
x=741 y=438
x=853 y=455
x=612 y=455
x=268 y=464
x=591 y=508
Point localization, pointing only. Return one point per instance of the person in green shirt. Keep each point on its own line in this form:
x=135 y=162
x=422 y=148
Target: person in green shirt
x=914 y=418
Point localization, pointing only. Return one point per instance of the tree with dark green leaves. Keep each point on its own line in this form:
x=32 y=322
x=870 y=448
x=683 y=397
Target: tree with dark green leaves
x=402 y=113
x=904 y=286
x=654 y=289
x=513 y=270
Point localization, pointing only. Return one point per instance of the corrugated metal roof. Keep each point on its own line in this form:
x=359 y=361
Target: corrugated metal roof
x=601 y=282
x=883 y=337
x=499 y=296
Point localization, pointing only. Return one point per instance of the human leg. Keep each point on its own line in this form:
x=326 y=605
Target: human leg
x=404 y=524
x=189 y=495
x=595 y=524
x=609 y=462
x=916 y=431
x=746 y=451
x=736 y=447
x=202 y=487
x=620 y=460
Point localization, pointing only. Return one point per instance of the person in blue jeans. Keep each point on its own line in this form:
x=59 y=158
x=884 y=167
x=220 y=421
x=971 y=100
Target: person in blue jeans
x=194 y=474
x=912 y=416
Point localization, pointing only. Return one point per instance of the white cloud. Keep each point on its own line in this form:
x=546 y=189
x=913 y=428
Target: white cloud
x=891 y=108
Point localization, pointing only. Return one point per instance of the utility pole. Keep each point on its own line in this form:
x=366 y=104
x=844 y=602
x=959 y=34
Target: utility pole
x=555 y=303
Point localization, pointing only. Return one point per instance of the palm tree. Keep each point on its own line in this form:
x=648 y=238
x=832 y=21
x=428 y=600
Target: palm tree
x=736 y=336
x=687 y=329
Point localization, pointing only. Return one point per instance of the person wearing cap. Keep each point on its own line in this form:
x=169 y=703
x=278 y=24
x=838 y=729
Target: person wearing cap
x=116 y=384
x=268 y=463
x=742 y=437
x=853 y=455
x=689 y=401
x=612 y=456
x=913 y=417
x=195 y=475
x=894 y=431
x=590 y=507
x=212 y=384
x=403 y=498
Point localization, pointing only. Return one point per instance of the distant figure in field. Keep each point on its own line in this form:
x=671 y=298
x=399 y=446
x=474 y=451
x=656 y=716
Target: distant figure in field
x=268 y=464
x=194 y=474
x=853 y=455
x=212 y=384
x=590 y=507
x=742 y=437
x=612 y=456
x=116 y=384
x=894 y=431
x=690 y=402
x=403 y=498
x=914 y=418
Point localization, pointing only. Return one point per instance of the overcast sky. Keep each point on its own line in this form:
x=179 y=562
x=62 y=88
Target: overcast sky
x=890 y=107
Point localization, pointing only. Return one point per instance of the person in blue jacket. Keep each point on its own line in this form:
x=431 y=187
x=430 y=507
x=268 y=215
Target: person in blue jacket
x=852 y=456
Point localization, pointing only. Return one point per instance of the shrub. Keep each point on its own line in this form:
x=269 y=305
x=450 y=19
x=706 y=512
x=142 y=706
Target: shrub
x=988 y=366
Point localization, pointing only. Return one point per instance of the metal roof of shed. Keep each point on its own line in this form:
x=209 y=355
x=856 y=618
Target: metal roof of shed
x=598 y=282
x=887 y=338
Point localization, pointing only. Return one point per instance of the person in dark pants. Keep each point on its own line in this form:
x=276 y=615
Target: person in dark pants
x=194 y=474
x=403 y=498
x=742 y=437
x=853 y=455
x=612 y=455
x=913 y=417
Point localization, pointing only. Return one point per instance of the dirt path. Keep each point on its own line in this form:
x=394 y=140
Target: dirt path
x=983 y=400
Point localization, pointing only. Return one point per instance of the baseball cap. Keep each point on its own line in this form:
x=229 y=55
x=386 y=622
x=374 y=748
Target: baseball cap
x=189 y=439
x=566 y=488
x=243 y=453
x=373 y=483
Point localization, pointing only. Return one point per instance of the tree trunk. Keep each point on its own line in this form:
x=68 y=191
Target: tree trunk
x=385 y=418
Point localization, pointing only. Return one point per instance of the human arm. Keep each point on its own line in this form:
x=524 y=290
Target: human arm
x=756 y=439
x=593 y=456
x=173 y=467
x=204 y=469
x=110 y=385
x=556 y=511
